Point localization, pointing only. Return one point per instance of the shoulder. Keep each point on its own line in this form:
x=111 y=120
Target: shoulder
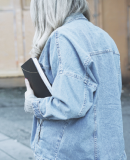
x=59 y=39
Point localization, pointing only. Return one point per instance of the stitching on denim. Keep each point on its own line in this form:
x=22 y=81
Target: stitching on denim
x=40 y=111
x=89 y=84
x=116 y=53
x=72 y=74
x=86 y=80
x=60 y=138
x=85 y=98
x=35 y=108
x=99 y=52
x=87 y=61
x=39 y=107
x=75 y=18
x=72 y=19
x=103 y=51
x=92 y=85
x=81 y=18
x=95 y=133
x=58 y=49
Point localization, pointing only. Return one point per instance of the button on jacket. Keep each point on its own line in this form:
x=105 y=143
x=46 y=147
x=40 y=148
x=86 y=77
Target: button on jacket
x=82 y=120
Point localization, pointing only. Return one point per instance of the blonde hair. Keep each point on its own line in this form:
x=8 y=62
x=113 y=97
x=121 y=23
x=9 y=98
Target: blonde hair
x=48 y=15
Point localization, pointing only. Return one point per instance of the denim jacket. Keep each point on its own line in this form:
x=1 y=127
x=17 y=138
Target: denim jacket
x=82 y=120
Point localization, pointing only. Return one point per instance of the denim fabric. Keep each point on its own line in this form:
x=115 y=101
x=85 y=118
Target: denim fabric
x=82 y=120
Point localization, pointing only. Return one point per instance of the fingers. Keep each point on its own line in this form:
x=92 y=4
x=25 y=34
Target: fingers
x=29 y=89
x=27 y=84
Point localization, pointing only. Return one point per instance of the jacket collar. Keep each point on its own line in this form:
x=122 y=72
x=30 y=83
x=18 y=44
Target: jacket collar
x=74 y=16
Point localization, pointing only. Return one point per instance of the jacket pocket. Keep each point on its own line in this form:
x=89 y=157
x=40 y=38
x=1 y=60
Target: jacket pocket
x=51 y=133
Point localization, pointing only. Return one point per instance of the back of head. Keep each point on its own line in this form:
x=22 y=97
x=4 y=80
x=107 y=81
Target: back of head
x=48 y=15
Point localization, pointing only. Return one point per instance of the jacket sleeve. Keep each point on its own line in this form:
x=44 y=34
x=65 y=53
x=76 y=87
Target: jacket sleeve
x=72 y=94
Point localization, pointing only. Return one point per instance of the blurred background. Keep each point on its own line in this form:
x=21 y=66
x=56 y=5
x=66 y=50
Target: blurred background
x=16 y=35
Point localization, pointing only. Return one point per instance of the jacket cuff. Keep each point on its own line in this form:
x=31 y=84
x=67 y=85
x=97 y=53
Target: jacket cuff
x=36 y=108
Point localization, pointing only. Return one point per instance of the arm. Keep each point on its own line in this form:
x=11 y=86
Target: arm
x=71 y=96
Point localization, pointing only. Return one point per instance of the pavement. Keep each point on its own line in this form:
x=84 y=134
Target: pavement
x=15 y=124
x=10 y=149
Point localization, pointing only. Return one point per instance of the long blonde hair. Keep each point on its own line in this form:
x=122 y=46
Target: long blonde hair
x=48 y=15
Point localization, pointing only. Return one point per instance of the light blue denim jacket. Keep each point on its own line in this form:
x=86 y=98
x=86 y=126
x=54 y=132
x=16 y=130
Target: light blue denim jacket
x=82 y=120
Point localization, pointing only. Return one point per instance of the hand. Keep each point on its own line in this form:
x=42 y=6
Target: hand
x=29 y=89
x=29 y=94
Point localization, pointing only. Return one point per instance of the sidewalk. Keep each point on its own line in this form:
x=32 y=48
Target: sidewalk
x=15 y=126
x=12 y=150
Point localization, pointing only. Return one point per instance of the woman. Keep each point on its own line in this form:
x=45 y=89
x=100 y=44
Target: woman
x=82 y=120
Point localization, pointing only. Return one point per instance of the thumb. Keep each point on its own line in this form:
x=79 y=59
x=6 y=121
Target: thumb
x=27 y=83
